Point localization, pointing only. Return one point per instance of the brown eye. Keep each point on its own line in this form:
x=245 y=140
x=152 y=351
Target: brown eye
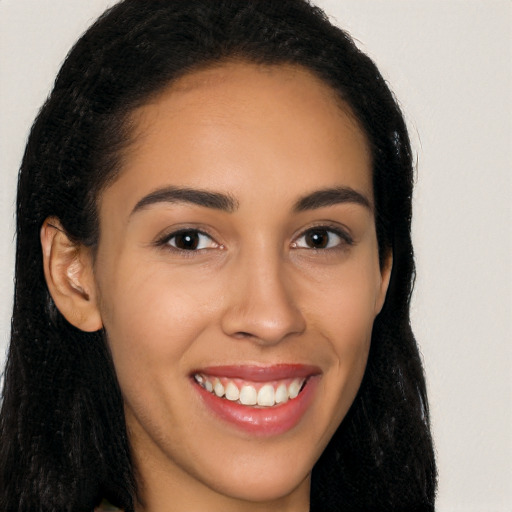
x=322 y=238
x=190 y=240
x=317 y=239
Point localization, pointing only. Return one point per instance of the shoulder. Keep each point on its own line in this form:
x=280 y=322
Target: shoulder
x=105 y=506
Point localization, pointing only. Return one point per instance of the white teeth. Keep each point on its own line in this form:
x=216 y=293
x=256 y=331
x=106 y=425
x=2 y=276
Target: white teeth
x=232 y=392
x=294 y=388
x=248 y=396
x=218 y=388
x=281 y=394
x=266 y=395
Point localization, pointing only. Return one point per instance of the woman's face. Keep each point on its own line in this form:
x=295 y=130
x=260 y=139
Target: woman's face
x=238 y=257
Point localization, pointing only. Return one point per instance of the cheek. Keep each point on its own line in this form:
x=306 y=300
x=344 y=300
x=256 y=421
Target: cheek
x=345 y=306
x=152 y=317
x=344 y=313
x=350 y=322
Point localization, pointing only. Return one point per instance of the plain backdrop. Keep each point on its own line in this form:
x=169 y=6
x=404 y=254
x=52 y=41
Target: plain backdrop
x=450 y=65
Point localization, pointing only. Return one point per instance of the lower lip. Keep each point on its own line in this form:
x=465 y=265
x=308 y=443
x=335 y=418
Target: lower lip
x=264 y=421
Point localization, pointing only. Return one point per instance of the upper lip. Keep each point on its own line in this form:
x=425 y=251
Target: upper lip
x=257 y=373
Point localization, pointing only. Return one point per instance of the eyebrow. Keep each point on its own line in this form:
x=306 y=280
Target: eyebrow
x=227 y=203
x=330 y=197
x=206 y=198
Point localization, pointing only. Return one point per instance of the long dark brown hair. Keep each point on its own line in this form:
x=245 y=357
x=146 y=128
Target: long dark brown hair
x=64 y=444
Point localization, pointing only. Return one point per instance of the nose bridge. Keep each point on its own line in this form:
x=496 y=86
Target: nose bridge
x=263 y=307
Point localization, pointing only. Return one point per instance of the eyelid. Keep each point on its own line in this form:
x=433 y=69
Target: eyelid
x=342 y=233
x=164 y=239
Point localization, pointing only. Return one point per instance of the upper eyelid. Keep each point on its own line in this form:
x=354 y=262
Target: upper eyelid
x=341 y=231
x=163 y=242
x=344 y=241
x=166 y=235
x=188 y=230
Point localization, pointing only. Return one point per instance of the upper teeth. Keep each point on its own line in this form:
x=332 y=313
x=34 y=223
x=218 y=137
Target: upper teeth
x=264 y=394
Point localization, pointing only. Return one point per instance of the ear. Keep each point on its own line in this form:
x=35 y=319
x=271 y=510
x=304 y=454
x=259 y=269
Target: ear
x=68 y=271
x=385 y=276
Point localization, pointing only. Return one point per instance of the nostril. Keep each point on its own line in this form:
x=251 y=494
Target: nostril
x=243 y=334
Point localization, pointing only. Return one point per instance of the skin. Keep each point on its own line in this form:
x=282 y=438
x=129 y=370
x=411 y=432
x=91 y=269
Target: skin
x=255 y=292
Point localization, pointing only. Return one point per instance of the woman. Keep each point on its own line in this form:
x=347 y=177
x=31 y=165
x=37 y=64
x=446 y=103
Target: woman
x=213 y=273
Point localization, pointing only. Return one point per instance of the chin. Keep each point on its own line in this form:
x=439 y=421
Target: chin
x=265 y=487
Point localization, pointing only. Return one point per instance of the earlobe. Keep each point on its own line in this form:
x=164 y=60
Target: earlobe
x=69 y=276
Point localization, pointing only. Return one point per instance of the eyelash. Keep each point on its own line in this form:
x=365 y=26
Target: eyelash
x=165 y=241
x=344 y=239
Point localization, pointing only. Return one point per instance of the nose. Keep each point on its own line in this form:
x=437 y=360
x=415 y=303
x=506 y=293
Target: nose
x=262 y=303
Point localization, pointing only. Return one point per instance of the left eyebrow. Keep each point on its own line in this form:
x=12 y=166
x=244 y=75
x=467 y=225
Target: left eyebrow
x=330 y=197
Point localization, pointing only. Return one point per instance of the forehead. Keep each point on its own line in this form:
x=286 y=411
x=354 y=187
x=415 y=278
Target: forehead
x=214 y=127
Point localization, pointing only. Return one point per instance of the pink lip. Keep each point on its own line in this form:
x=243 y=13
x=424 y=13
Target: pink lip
x=262 y=421
x=261 y=373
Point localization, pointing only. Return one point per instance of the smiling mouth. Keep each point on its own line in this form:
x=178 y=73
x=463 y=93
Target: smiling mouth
x=259 y=394
x=258 y=400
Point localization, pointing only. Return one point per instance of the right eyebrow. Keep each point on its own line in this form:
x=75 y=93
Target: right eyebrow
x=330 y=197
x=205 y=198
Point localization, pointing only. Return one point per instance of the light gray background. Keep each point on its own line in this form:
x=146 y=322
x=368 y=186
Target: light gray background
x=450 y=64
